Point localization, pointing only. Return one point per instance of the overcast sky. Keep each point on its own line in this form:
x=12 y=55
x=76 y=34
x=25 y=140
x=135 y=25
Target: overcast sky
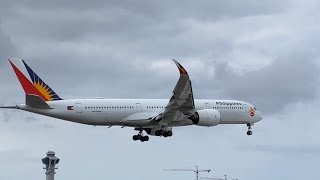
x=262 y=52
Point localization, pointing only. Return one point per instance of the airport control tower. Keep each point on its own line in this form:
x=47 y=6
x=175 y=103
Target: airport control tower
x=50 y=163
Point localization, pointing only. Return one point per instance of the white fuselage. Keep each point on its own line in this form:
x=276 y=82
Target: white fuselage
x=133 y=112
x=154 y=116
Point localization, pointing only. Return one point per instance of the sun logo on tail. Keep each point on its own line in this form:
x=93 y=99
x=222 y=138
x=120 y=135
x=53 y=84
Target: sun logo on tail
x=41 y=86
x=44 y=89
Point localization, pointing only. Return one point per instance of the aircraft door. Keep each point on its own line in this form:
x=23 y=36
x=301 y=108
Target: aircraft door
x=138 y=106
x=207 y=106
x=78 y=108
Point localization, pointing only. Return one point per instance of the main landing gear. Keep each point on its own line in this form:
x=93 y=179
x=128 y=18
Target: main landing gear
x=140 y=137
x=249 y=132
x=163 y=133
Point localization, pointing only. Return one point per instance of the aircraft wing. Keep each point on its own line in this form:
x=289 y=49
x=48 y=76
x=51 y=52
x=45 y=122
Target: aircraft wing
x=141 y=116
x=181 y=104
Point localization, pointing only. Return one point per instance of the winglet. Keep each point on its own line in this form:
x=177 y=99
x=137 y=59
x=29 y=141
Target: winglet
x=181 y=69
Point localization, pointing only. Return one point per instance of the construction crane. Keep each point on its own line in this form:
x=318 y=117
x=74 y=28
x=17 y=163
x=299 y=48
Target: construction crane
x=225 y=178
x=196 y=171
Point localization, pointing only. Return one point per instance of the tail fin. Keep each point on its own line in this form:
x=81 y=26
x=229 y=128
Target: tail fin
x=31 y=82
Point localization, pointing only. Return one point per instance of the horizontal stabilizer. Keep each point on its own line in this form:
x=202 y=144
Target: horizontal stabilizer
x=9 y=107
x=35 y=101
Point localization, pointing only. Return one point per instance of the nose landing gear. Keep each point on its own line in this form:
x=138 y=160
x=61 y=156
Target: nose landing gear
x=249 y=132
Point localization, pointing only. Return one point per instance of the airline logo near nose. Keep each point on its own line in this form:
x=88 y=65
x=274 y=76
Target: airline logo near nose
x=252 y=111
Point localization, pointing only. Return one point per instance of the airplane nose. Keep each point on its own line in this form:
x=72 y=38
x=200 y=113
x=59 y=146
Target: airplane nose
x=259 y=116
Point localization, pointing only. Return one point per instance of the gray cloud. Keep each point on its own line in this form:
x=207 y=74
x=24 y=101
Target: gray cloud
x=5 y=116
x=295 y=151
x=265 y=53
x=286 y=80
x=6 y=46
x=31 y=119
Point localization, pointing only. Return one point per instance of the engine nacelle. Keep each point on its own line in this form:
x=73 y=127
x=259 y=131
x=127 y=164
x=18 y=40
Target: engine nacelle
x=206 y=117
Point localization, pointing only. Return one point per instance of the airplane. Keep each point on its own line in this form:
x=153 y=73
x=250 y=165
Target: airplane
x=156 y=117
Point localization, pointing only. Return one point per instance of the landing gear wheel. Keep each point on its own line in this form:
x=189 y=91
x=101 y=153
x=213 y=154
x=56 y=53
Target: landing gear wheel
x=167 y=134
x=162 y=132
x=146 y=138
x=249 y=132
x=140 y=137
x=157 y=133
x=135 y=137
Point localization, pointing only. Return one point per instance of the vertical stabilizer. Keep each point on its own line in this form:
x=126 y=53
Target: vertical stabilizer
x=31 y=82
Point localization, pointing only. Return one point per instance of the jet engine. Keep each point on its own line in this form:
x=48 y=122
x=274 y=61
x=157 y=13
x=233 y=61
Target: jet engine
x=206 y=117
